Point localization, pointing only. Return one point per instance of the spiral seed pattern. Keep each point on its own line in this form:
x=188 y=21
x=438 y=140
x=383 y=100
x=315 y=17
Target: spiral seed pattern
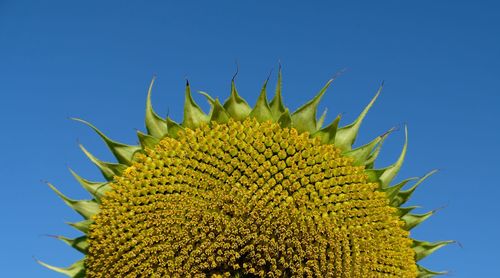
x=246 y=199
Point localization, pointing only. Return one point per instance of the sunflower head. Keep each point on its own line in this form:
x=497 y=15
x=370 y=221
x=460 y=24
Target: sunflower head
x=247 y=192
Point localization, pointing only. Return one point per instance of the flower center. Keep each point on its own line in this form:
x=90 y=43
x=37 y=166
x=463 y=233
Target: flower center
x=246 y=199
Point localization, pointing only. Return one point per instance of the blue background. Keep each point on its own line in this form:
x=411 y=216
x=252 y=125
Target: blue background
x=440 y=61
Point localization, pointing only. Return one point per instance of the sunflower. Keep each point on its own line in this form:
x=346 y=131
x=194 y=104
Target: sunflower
x=247 y=192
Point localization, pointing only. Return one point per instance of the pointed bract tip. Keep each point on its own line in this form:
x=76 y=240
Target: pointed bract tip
x=206 y=95
x=338 y=73
x=269 y=75
x=72 y=172
x=153 y=79
x=237 y=71
x=52 y=186
x=439 y=208
x=265 y=83
x=385 y=134
x=39 y=262
x=406 y=133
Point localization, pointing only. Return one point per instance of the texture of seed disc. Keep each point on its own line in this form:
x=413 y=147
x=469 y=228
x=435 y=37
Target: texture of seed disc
x=246 y=199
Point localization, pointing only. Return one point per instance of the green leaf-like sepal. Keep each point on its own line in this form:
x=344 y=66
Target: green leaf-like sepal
x=76 y=270
x=82 y=226
x=86 y=208
x=193 y=115
x=426 y=273
x=123 y=153
x=236 y=106
x=262 y=111
x=404 y=211
x=370 y=162
x=304 y=119
x=276 y=105
x=146 y=140
x=412 y=220
x=362 y=154
x=403 y=196
x=219 y=113
x=346 y=135
x=109 y=170
x=393 y=191
x=155 y=125
x=321 y=120
x=285 y=120
x=173 y=128
x=386 y=175
x=97 y=189
x=327 y=134
x=423 y=248
x=80 y=243
x=210 y=100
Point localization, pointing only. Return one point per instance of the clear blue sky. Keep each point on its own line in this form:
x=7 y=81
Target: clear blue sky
x=440 y=61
